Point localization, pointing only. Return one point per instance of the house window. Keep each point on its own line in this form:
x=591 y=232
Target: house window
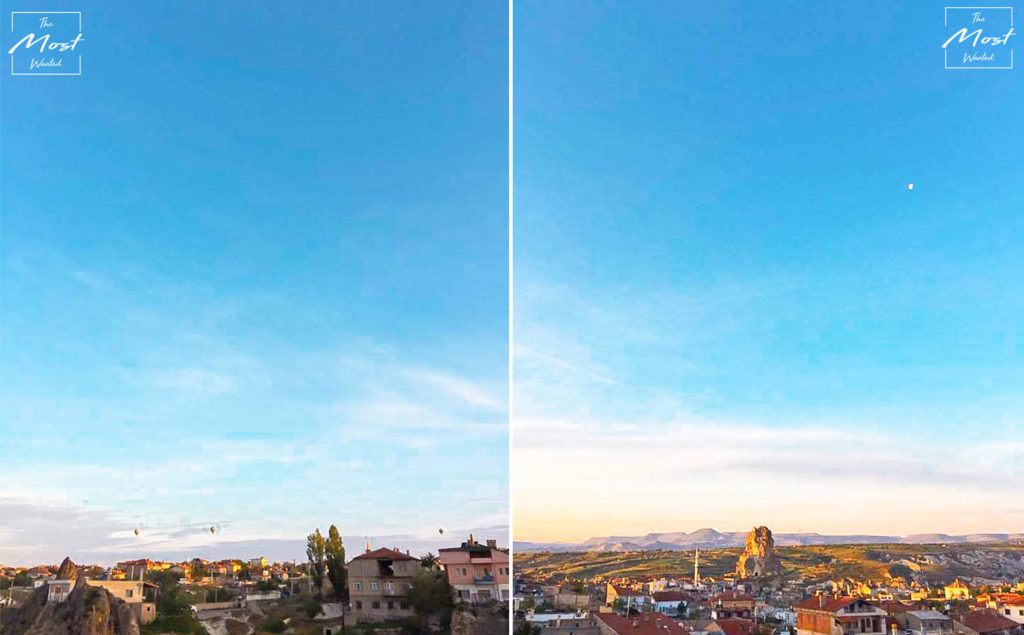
x=359 y=605
x=390 y=586
x=128 y=593
x=391 y=604
x=376 y=604
x=374 y=586
x=403 y=604
x=359 y=586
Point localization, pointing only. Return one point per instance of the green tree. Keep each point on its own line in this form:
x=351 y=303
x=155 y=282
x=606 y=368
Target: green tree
x=266 y=585
x=525 y=628
x=173 y=607
x=273 y=625
x=335 y=556
x=428 y=560
x=198 y=569
x=315 y=552
x=312 y=608
x=431 y=594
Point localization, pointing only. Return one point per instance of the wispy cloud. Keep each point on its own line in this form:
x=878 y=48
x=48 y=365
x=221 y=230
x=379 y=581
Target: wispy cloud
x=47 y=531
x=197 y=381
x=612 y=434
x=470 y=392
x=191 y=417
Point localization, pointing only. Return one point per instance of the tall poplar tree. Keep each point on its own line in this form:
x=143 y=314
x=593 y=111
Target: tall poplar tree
x=335 y=552
x=315 y=547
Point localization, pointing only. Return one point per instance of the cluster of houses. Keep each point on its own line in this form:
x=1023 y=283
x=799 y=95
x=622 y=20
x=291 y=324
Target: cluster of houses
x=379 y=580
x=658 y=606
x=200 y=571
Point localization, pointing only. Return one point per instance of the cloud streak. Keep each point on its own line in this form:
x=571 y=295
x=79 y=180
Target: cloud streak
x=608 y=438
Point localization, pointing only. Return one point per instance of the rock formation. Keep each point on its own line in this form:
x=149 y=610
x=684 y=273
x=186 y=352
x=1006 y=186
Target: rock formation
x=479 y=621
x=87 y=611
x=758 y=558
x=67 y=571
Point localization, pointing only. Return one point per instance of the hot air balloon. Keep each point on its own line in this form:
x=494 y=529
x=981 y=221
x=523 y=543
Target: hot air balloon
x=440 y=531
x=137 y=531
x=213 y=529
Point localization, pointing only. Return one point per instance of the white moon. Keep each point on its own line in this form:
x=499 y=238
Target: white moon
x=910 y=186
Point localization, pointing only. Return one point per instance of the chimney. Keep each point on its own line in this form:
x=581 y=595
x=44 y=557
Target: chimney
x=493 y=544
x=367 y=545
x=471 y=541
x=636 y=623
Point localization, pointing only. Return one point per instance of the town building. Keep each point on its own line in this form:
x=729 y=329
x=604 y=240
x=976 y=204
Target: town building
x=630 y=597
x=985 y=622
x=957 y=590
x=378 y=583
x=732 y=604
x=638 y=624
x=134 y=593
x=924 y=623
x=668 y=602
x=830 y=615
x=564 y=624
x=58 y=590
x=478 y=573
x=731 y=626
x=1009 y=605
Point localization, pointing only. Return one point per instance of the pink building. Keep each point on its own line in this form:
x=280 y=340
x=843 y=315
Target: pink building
x=479 y=573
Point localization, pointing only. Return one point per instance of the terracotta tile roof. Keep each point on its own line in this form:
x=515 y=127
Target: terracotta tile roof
x=986 y=621
x=735 y=626
x=384 y=554
x=733 y=596
x=892 y=607
x=651 y=624
x=624 y=592
x=827 y=604
x=670 y=596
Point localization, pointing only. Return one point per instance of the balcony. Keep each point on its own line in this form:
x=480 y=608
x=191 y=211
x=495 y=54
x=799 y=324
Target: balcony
x=484 y=579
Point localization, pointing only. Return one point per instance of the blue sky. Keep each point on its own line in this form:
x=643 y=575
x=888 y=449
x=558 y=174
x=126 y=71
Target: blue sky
x=254 y=274
x=729 y=309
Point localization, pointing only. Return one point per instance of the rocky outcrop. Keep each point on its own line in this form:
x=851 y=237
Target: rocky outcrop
x=758 y=558
x=87 y=611
x=67 y=571
x=480 y=621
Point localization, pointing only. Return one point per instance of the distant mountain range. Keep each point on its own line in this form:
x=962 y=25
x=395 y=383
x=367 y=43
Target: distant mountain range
x=712 y=539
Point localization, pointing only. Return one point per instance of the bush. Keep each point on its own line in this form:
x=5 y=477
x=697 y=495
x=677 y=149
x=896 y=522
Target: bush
x=312 y=608
x=266 y=585
x=273 y=625
x=185 y=623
